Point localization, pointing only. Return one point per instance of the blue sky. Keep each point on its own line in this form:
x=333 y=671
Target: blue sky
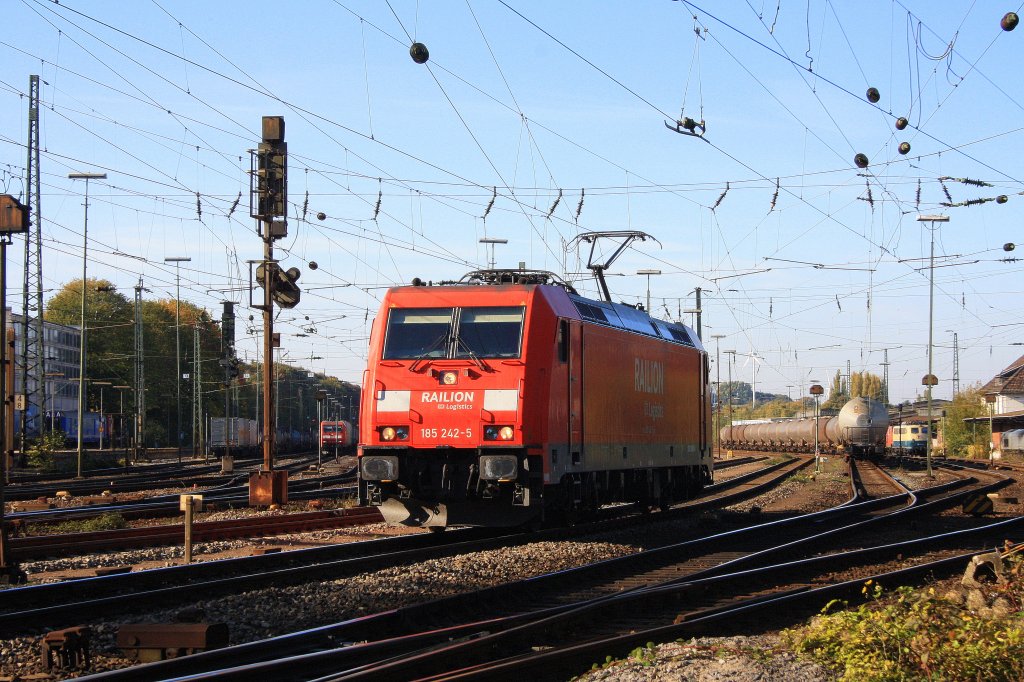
x=807 y=260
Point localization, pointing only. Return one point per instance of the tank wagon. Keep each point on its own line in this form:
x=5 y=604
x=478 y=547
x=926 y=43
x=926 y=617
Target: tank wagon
x=506 y=397
x=858 y=430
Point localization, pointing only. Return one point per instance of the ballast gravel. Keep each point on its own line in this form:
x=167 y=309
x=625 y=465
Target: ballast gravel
x=280 y=610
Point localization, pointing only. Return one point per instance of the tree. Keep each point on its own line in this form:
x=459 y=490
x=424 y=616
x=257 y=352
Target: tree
x=108 y=321
x=963 y=438
x=866 y=385
x=110 y=349
x=838 y=394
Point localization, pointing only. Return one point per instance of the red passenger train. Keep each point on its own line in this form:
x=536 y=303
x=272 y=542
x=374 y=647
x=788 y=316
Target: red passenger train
x=506 y=397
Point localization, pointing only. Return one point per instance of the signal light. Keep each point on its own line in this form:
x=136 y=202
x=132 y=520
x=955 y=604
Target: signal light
x=285 y=291
x=448 y=378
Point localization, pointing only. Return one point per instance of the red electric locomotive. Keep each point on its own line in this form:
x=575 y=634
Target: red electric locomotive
x=336 y=437
x=507 y=397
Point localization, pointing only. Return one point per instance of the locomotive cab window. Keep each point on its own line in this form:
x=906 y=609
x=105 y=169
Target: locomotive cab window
x=415 y=333
x=489 y=332
x=418 y=333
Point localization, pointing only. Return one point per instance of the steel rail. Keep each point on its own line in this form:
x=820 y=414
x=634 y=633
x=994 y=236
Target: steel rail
x=539 y=629
x=58 y=604
x=159 y=505
x=800 y=601
x=70 y=544
x=331 y=637
x=182 y=475
x=387 y=622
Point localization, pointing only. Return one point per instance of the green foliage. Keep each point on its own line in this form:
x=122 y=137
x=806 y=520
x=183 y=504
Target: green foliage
x=41 y=453
x=838 y=394
x=866 y=385
x=109 y=521
x=959 y=436
x=913 y=635
x=645 y=655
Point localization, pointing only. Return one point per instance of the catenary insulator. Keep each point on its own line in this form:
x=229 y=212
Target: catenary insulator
x=904 y=147
x=1002 y=199
x=1009 y=21
x=873 y=95
x=861 y=160
x=901 y=123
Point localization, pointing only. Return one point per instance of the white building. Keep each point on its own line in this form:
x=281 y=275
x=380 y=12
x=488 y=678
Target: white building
x=61 y=345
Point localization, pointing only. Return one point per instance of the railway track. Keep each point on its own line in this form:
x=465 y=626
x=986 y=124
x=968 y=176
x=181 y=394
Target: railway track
x=31 y=608
x=525 y=608
x=117 y=481
x=70 y=544
x=231 y=493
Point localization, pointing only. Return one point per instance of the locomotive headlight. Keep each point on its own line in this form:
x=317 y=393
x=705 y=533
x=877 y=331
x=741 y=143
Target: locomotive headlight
x=498 y=433
x=499 y=467
x=449 y=378
x=390 y=433
x=378 y=468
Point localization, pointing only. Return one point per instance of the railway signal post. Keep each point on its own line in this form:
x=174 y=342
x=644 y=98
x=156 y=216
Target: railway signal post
x=268 y=203
x=816 y=391
x=14 y=219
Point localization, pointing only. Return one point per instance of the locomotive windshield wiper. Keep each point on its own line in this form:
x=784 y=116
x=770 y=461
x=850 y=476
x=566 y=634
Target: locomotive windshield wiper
x=472 y=356
x=440 y=341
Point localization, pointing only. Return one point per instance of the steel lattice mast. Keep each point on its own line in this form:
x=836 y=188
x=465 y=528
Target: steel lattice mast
x=33 y=364
x=140 y=378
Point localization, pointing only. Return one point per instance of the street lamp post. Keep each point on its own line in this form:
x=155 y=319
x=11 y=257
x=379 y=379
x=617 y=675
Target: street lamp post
x=990 y=398
x=81 y=345
x=816 y=391
x=648 y=273
x=929 y=379
x=177 y=260
x=732 y=359
x=716 y=437
x=121 y=430
x=103 y=424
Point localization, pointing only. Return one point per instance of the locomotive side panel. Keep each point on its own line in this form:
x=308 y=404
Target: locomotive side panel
x=641 y=401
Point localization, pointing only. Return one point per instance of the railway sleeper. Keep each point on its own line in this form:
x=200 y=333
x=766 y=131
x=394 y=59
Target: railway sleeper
x=148 y=642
